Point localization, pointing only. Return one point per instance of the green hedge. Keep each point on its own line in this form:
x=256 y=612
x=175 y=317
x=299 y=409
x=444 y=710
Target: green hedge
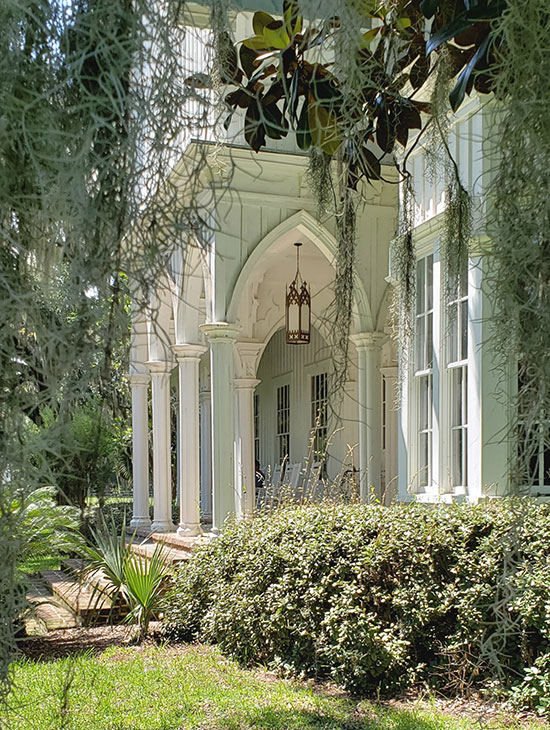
x=377 y=598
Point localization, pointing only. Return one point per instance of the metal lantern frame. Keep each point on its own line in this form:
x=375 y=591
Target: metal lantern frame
x=298 y=298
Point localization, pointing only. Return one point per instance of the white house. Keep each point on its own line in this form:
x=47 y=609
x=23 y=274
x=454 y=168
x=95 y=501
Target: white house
x=215 y=336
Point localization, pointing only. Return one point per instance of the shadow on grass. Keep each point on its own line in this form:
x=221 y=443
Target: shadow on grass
x=379 y=719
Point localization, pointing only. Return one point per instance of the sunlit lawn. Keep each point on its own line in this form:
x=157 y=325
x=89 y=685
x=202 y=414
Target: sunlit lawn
x=158 y=688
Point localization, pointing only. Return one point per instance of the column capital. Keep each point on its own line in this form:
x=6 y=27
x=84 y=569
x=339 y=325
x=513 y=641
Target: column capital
x=220 y=331
x=137 y=379
x=246 y=383
x=368 y=340
x=160 y=367
x=188 y=351
x=249 y=353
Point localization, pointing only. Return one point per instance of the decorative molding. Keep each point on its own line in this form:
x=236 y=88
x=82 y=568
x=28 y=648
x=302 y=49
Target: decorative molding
x=139 y=379
x=246 y=383
x=220 y=331
x=188 y=352
x=369 y=340
x=160 y=367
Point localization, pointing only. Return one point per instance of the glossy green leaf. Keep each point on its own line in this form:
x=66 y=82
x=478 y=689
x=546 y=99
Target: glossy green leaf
x=303 y=134
x=324 y=128
x=456 y=97
x=277 y=37
x=256 y=43
x=260 y=20
x=429 y=7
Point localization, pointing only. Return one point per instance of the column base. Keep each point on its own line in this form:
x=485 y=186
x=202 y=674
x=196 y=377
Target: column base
x=140 y=523
x=163 y=526
x=185 y=529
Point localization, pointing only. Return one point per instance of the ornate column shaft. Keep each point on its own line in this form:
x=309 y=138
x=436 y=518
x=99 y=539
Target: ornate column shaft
x=390 y=376
x=221 y=337
x=205 y=411
x=369 y=349
x=162 y=484
x=188 y=357
x=139 y=383
x=245 y=474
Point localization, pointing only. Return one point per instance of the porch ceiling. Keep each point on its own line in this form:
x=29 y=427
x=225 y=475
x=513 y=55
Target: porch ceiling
x=268 y=282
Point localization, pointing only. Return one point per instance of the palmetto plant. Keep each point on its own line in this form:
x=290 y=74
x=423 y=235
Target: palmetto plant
x=128 y=579
x=145 y=587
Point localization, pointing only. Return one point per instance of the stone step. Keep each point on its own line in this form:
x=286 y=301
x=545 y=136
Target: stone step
x=81 y=597
x=146 y=549
x=178 y=542
x=48 y=613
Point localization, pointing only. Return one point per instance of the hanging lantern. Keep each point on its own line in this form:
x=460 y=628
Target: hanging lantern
x=298 y=308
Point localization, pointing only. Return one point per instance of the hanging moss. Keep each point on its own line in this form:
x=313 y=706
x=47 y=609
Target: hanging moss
x=403 y=273
x=519 y=253
x=320 y=182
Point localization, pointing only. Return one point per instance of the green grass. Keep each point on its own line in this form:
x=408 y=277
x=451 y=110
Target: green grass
x=158 y=688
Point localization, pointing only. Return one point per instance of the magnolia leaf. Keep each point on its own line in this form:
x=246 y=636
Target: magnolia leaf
x=247 y=57
x=303 y=134
x=456 y=97
x=324 y=128
x=256 y=43
x=293 y=18
x=403 y=23
x=260 y=20
x=429 y=7
x=254 y=130
x=448 y=31
x=275 y=124
x=371 y=34
x=277 y=37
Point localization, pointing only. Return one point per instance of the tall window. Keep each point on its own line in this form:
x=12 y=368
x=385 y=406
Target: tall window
x=257 y=427
x=319 y=407
x=283 y=422
x=457 y=371
x=423 y=369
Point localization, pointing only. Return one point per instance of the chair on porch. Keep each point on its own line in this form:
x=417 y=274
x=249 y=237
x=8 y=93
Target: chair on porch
x=313 y=486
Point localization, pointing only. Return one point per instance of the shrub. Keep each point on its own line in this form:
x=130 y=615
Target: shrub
x=375 y=597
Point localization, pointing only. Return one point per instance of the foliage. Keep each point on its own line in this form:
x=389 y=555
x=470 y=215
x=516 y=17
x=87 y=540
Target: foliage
x=518 y=256
x=128 y=579
x=34 y=527
x=533 y=692
x=282 y=84
x=377 y=598
x=145 y=586
x=92 y=117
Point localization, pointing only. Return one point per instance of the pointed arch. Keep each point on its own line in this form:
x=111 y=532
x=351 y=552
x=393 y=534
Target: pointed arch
x=303 y=223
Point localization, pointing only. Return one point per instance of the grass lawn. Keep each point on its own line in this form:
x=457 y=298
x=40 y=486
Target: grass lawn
x=177 y=688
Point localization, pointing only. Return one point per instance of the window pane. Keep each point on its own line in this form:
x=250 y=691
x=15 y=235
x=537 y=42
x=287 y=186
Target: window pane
x=424 y=405
x=456 y=457
x=429 y=341
x=464 y=330
x=430 y=282
x=456 y=396
x=420 y=343
x=420 y=286
x=453 y=333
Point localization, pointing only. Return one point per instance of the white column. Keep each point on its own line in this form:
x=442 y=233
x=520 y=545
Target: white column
x=369 y=348
x=245 y=474
x=205 y=411
x=139 y=383
x=222 y=337
x=162 y=486
x=188 y=357
x=390 y=376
